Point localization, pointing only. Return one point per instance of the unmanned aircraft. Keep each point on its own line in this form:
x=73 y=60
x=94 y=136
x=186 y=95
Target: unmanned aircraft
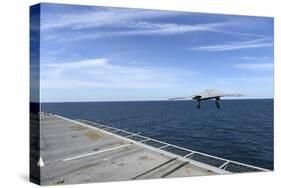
x=209 y=94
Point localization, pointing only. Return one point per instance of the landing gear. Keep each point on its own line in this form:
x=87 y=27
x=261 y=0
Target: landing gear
x=218 y=103
x=199 y=104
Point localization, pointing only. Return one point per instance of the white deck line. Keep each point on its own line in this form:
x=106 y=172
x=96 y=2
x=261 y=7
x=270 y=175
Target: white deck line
x=97 y=152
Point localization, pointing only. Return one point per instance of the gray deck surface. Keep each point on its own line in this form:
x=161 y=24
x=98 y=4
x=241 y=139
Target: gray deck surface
x=72 y=152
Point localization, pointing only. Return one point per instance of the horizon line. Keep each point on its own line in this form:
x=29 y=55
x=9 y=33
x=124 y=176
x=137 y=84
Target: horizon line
x=152 y=100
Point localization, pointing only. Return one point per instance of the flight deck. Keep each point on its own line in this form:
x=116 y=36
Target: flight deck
x=81 y=151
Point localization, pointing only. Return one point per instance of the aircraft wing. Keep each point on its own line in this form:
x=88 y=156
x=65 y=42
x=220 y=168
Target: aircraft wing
x=207 y=94
x=210 y=94
x=178 y=98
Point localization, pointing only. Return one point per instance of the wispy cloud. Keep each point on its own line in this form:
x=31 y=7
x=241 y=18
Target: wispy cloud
x=125 y=22
x=108 y=17
x=258 y=43
x=151 y=30
x=245 y=82
x=101 y=73
x=254 y=66
x=264 y=58
x=140 y=28
x=80 y=64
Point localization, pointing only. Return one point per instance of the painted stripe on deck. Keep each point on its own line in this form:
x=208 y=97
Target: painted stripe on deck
x=97 y=152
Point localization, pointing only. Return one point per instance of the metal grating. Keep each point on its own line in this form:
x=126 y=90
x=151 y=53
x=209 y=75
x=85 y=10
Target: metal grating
x=154 y=143
x=123 y=133
x=109 y=129
x=138 y=138
x=207 y=160
x=96 y=125
x=220 y=163
x=238 y=168
x=176 y=150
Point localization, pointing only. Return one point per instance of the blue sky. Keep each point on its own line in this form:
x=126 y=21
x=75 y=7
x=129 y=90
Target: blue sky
x=113 y=54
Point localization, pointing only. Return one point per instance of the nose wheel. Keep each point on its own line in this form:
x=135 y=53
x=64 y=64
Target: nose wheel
x=218 y=103
x=199 y=104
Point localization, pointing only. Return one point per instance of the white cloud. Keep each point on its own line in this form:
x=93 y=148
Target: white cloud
x=256 y=58
x=140 y=28
x=254 y=66
x=171 y=29
x=132 y=22
x=54 y=71
x=258 y=43
x=101 y=73
x=79 y=64
x=246 y=82
x=110 y=17
x=151 y=29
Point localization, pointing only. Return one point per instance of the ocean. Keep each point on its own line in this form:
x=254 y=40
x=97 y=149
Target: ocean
x=242 y=130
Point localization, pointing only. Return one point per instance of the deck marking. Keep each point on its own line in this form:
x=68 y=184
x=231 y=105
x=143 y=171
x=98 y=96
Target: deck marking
x=40 y=162
x=50 y=121
x=97 y=152
x=175 y=169
x=155 y=168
